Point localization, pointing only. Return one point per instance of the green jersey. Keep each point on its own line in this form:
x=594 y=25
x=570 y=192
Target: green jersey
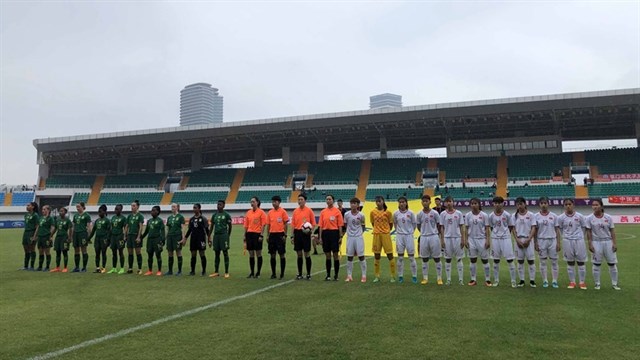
x=134 y=221
x=117 y=224
x=80 y=222
x=101 y=228
x=174 y=224
x=31 y=221
x=155 y=228
x=45 y=223
x=62 y=227
x=221 y=222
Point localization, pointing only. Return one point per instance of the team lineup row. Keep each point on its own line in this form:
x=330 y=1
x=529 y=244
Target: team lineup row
x=444 y=233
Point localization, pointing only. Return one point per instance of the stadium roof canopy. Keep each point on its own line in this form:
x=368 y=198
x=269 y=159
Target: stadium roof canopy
x=579 y=116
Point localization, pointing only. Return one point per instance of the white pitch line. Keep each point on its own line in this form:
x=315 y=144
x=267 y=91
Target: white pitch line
x=160 y=321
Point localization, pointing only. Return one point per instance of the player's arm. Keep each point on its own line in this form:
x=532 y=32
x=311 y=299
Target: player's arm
x=463 y=236
x=558 y=238
x=206 y=227
x=140 y=224
x=70 y=233
x=418 y=223
x=54 y=228
x=189 y=230
x=212 y=227
x=89 y=224
x=532 y=235
x=487 y=236
x=163 y=234
x=144 y=233
x=364 y=226
x=614 y=242
x=390 y=221
x=340 y=225
x=229 y=225
x=589 y=236
x=93 y=232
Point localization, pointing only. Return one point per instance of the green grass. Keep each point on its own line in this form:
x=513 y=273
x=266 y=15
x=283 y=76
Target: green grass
x=41 y=313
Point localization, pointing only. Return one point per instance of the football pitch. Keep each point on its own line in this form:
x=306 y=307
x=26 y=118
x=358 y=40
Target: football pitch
x=110 y=316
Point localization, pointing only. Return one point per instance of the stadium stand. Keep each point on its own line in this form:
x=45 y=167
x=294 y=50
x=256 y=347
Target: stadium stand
x=270 y=174
x=460 y=168
x=458 y=193
x=620 y=188
x=537 y=166
x=536 y=191
x=80 y=197
x=21 y=198
x=320 y=194
x=202 y=197
x=396 y=170
x=244 y=196
x=336 y=172
x=147 y=197
x=211 y=177
x=2 y=197
x=394 y=193
x=70 y=181
x=616 y=161
x=134 y=181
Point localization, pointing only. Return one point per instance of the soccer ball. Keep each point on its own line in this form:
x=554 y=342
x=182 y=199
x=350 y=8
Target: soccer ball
x=307 y=227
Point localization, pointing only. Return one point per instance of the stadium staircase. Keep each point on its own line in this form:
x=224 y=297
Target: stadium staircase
x=235 y=186
x=428 y=191
x=304 y=166
x=594 y=171
x=184 y=182
x=503 y=177
x=578 y=157
x=365 y=173
x=166 y=198
x=95 y=190
x=8 y=199
x=163 y=182
x=42 y=184
x=582 y=192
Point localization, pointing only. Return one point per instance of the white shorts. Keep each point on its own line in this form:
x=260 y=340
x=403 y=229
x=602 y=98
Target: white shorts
x=405 y=242
x=548 y=248
x=355 y=246
x=604 y=251
x=527 y=253
x=452 y=248
x=574 y=250
x=477 y=249
x=502 y=248
x=430 y=247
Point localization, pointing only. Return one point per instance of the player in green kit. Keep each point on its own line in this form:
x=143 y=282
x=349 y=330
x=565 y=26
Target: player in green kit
x=28 y=237
x=118 y=222
x=175 y=237
x=45 y=229
x=81 y=228
x=102 y=230
x=221 y=230
x=133 y=231
x=155 y=230
x=62 y=239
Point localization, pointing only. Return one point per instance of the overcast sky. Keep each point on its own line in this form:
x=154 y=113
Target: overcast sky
x=73 y=68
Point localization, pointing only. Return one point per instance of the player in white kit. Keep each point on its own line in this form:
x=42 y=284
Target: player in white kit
x=451 y=221
x=477 y=224
x=355 y=224
x=501 y=223
x=602 y=243
x=428 y=222
x=571 y=225
x=524 y=231
x=547 y=245
x=404 y=220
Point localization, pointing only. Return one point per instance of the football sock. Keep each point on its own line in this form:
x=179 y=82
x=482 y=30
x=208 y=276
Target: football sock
x=226 y=261
x=582 y=272
x=180 y=263
x=414 y=266
x=76 y=260
x=203 y=262
x=139 y=259
x=613 y=271
x=299 y=265
x=216 y=261
x=159 y=258
x=252 y=264
x=65 y=256
x=193 y=263
x=327 y=264
x=40 y=260
x=447 y=270
x=259 y=264
x=171 y=260
x=572 y=273
x=130 y=258
x=532 y=272
x=283 y=265
x=521 y=271
x=554 y=269
x=496 y=272
x=336 y=267
x=392 y=266
x=85 y=260
x=400 y=265
x=425 y=269
x=376 y=267
x=48 y=260
x=439 y=269
x=472 y=271
x=543 y=269
x=512 y=271
x=363 y=267
x=596 y=273
x=460 y=269
x=273 y=266
x=487 y=272
x=307 y=261
x=349 y=267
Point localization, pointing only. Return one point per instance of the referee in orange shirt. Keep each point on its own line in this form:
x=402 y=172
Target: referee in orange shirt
x=277 y=220
x=331 y=223
x=254 y=222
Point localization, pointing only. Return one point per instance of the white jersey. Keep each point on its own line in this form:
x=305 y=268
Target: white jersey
x=572 y=226
x=600 y=227
x=546 y=225
x=404 y=222
x=476 y=225
x=524 y=223
x=500 y=225
x=428 y=222
x=354 y=223
x=451 y=222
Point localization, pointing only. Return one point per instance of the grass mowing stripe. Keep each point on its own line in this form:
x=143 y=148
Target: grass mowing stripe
x=163 y=320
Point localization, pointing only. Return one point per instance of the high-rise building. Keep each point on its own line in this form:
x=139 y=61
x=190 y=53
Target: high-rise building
x=200 y=104
x=384 y=101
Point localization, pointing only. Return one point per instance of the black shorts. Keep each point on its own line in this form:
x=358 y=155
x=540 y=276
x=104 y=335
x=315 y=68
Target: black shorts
x=301 y=241
x=330 y=241
x=197 y=244
x=253 y=242
x=277 y=243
